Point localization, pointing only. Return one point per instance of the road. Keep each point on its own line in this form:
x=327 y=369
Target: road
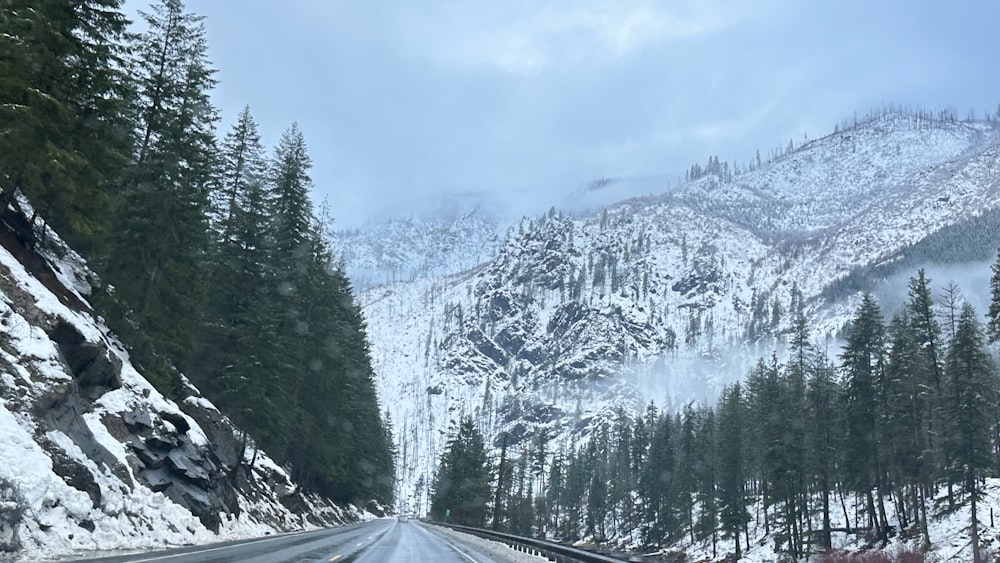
x=378 y=541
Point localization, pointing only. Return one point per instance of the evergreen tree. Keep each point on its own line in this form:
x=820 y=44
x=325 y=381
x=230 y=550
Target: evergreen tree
x=902 y=417
x=597 y=493
x=993 y=316
x=705 y=477
x=161 y=227
x=572 y=496
x=235 y=351
x=684 y=483
x=823 y=400
x=733 y=515
x=462 y=481
x=969 y=401
x=657 y=485
x=554 y=492
x=63 y=93
x=863 y=360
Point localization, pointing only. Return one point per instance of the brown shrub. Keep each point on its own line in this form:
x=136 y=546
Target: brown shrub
x=871 y=557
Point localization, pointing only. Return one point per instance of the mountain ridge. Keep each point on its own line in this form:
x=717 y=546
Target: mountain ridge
x=679 y=291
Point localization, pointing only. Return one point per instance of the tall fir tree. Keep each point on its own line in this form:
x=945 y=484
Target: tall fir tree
x=236 y=350
x=926 y=370
x=902 y=417
x=658 y=483
x=969 y=399
x=823 y=440
x=863 y=360
x=733 y=515
x=63 y=96
x=161 y=225
x=462 y=481
x=993 y=314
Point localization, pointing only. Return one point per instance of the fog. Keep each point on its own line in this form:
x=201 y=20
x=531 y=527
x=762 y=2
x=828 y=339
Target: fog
x=973 y=279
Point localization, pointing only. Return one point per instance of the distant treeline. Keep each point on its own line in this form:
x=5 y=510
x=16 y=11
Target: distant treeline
x=909 y=412
x=972 y=240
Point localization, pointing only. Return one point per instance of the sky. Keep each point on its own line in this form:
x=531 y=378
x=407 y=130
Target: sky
x=411 y=106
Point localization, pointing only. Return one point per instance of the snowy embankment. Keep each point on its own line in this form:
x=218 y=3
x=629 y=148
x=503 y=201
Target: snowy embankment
x=948 y=530
x=95 y=458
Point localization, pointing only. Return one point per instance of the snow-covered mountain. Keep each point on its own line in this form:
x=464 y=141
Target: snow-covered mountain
x=419 y=246
x=93 y=456
x=665 y=297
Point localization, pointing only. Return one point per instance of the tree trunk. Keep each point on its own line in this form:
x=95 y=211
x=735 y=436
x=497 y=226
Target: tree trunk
x=883 y=525
x=763 y=494
x=746 y=534
x=498 y=498
x=974 y=525
x=825 y=538
x=843 y=506
x=923 y=523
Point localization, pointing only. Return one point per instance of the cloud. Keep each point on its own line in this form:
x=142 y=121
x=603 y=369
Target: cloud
x=529 y=37
x=405 y=103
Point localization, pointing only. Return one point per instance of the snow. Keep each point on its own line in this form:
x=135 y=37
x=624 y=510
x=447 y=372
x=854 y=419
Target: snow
x=710 y=248
x=60 y=519
x=948 y=530
x=852 y=198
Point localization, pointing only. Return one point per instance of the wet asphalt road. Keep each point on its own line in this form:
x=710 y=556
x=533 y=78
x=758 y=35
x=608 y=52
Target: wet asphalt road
x=378 y=541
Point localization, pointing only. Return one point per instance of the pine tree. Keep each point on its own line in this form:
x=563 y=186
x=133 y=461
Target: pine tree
x=969 y=400
x=862 y=364
x=597 y=492
x=705 y=477
x=235 y=352
x=63 y=94
x=823 y=400
x=577 y=472
x=684 y=483
x=657 y=484
x=733 y=515
x=902 y=416
x=462 y=481
x=161 y=227
x=993 y=316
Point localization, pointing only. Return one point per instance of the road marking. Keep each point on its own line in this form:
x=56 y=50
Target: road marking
x=335 y=557
x=186 y=554
x=460 y=552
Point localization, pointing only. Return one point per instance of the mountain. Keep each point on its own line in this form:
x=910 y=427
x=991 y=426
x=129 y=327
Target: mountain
x=420 y=245
x=94 y=457
x=668 y=297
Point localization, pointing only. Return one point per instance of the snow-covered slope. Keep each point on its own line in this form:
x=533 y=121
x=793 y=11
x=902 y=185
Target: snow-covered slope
x=92 y=457
x=419 y=246
x=662 y=298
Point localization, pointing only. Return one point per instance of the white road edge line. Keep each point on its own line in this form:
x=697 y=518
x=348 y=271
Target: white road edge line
x=462 y=553
x=241 y=544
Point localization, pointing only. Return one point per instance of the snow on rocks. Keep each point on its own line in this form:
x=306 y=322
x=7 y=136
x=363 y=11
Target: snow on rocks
x=93 y=456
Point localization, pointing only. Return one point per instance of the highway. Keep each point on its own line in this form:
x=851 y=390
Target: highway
x=378 y=541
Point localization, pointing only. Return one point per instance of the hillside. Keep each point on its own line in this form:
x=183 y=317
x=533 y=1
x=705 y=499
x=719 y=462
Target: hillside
x=665 y=298
x=405 y=248
x=95 y=458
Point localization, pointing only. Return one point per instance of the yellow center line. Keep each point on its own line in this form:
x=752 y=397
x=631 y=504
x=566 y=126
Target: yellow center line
x=335 y=557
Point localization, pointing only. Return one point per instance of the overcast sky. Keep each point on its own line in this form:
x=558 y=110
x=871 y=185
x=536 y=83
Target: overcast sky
x=409 y=104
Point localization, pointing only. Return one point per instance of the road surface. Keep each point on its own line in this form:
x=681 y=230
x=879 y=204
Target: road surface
x=378 y=541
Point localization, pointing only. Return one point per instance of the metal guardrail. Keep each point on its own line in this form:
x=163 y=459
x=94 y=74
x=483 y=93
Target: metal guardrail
x=554 y=551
